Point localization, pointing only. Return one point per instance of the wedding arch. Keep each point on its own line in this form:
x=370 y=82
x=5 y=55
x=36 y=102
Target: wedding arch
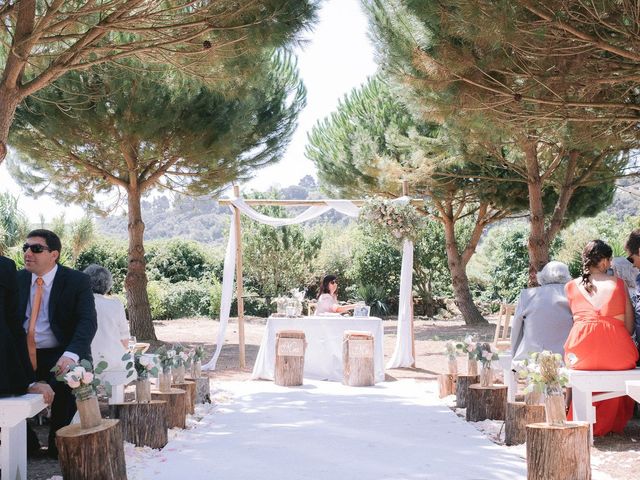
x=404 y=352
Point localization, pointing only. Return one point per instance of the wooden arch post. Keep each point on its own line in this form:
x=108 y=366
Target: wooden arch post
x=239 y=279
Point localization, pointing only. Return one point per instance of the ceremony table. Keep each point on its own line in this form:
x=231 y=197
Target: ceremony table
x=323 y=357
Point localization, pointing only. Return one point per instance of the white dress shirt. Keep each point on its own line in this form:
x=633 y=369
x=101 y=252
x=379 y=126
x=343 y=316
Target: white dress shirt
x=44 y=336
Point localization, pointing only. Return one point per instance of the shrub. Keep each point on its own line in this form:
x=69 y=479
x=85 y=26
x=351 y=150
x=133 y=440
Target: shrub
x=177 y=261
x=111 y=255
x=186 y=299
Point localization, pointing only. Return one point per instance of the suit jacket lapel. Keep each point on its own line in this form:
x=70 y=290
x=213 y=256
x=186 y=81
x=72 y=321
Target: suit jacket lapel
x=56 y=292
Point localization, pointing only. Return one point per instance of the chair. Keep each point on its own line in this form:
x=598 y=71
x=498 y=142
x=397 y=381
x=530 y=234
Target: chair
x=502 y=337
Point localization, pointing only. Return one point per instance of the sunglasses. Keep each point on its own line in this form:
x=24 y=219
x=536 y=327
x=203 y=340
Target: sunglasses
x=35 y=248
x=333 y=282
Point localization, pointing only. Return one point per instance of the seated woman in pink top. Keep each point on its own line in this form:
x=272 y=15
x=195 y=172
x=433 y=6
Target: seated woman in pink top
x=328 y=297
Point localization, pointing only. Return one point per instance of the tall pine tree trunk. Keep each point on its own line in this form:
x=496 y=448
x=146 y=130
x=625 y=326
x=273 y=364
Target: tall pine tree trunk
x=460 y=281
x=136 y=279
x=9 y=101
x=539 y=241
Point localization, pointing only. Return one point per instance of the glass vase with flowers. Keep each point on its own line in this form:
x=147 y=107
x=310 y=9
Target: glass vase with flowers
x=82 y=380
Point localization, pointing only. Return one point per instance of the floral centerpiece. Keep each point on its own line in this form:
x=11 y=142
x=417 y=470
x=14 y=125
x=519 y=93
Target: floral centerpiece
x=197 y=355
x=180 y=362
x=485 y=356
x=545 y=373
x=165 y=358
x=400 y=220
x=295 y=302
x=82 y=380
x=470 y=346
x=451 y=351
x=144 y=366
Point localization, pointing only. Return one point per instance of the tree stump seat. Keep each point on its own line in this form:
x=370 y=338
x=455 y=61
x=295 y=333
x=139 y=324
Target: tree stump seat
x=290 y=349
x=143 y=424
x=203 y=389
x=518 y=416
x=558 y=452
x=357 y=359
x=93 y=453
x=189 y=387
x=463 y=382
x=486 y=403
x=176 y=406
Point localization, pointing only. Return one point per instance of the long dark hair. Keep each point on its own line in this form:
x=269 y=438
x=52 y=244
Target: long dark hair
x=594 y=252
x=324 y=284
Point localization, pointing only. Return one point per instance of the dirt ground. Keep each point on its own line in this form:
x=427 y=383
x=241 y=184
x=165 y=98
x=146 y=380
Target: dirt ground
x=617 y=455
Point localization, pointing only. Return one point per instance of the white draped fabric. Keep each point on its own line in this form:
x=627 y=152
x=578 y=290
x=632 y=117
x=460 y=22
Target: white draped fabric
x=400 y=358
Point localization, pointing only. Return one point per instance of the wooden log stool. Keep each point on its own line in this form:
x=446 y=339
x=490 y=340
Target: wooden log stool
x=518 y=416
x=203 y=390
x=143 y=424
x=463 y=382
x=190 y=388
x=447 y=384
x=94 y=453
x=486 y=403
x=176 y=408
x=357 y=359
x=290 y=348
x=558 y=452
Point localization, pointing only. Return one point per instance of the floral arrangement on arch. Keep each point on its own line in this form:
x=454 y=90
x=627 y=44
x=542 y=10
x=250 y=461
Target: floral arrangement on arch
x=81 y=378
x=543 y=371
x=143 y=365
x=401 y=220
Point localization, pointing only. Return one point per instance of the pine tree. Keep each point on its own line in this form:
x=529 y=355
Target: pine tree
x=455 y=57
x=132 y=130
x=42 y=40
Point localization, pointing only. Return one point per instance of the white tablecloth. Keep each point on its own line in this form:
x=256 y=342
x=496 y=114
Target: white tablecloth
x=323 y=357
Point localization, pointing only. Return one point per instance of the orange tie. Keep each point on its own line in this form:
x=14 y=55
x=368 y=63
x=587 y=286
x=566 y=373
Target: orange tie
x=31 y=334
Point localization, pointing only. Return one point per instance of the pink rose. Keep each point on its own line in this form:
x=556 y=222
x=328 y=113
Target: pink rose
x=87 y=378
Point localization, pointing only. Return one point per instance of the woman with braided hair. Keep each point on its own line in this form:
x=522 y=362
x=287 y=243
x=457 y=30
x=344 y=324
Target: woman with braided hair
x=600 y=338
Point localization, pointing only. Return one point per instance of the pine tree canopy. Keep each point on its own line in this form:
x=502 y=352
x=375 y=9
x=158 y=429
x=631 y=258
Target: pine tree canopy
x=532 y=62
x=139 y=129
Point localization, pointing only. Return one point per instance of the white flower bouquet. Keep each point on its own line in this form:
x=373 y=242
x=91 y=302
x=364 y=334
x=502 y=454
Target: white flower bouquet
x=81 y=378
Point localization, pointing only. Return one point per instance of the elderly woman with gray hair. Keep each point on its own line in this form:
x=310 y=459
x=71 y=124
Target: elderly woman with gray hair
x=111 y=340
x=542 y=320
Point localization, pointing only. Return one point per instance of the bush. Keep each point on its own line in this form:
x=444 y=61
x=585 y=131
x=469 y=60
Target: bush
x=186 y=299
x=215 y=299
x=110 y=255
x=156 y=292
x=177 y=261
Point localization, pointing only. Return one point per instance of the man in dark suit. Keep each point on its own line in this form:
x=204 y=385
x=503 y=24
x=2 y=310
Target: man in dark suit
x=58 y=314
x=16 y=375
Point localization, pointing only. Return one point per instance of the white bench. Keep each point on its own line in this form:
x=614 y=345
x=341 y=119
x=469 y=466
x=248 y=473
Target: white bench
x=610 y=384
x=118 y=380
x=13 y=414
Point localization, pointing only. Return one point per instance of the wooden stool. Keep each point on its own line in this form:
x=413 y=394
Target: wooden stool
x=558 y=453
x=94 y=453
x=463 y=382
x=357 y=359
x=517 y=417
x=176 y=406
x=290 y=348
x=189 y=387
x=203 y=389
x=143 y=424
x=447 y=384
x=486 y=403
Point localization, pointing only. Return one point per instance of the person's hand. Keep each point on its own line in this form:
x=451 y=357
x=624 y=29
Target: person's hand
x=63 y=364
x=44 y=389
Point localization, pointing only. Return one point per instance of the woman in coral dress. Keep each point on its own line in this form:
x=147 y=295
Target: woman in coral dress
x=600 y=338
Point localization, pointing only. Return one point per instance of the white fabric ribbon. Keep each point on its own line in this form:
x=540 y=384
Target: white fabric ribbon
x=343 y=206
